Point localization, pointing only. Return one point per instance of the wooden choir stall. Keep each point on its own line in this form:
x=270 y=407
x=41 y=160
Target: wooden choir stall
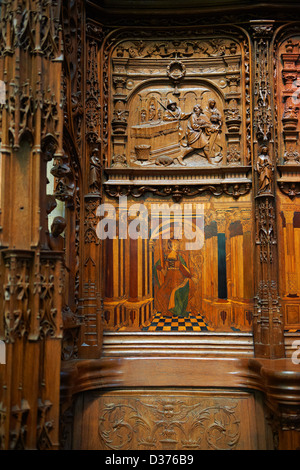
x=149 y=225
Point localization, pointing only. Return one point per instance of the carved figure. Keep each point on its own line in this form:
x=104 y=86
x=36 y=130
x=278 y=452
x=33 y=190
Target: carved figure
x=216 y=119
x=95 y=168
x=56 y=241
x=51 y=203
x=265 y=169
x=174 y=113
x=152 y=112
x=143 y=115
x=200 y=134
x=213 y=113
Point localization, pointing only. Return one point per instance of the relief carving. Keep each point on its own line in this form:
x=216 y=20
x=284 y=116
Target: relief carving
x=169 y=424
x=33 y=26
x=265 y=169
x=176 y=102
x=171 y=136
x=16 y=299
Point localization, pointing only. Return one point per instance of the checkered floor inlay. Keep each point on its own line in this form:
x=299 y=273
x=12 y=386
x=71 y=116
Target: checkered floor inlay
x=190 y=323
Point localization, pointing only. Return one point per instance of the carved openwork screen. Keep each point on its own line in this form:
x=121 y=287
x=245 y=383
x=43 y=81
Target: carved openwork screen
x=177 y=228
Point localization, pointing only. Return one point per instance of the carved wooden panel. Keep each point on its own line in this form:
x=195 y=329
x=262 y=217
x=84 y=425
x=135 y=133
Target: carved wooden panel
x=177 y=100
x=164 y=420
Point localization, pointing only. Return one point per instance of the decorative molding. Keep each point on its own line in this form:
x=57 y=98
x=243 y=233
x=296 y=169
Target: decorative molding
x=178 y=183
x=178 y=192
x=289 y=188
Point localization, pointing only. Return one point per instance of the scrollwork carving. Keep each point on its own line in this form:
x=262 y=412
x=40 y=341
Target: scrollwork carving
x=290 y=189
x=92 y=99
x=44 y=426
x=169 y=424
x=177 y=192
x=49 y=281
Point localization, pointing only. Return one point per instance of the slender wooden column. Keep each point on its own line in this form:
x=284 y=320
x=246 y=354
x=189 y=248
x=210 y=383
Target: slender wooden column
x=268 y=323
x=91 y=260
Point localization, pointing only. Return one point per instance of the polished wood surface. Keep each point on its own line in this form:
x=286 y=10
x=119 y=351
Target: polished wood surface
x=157 y=103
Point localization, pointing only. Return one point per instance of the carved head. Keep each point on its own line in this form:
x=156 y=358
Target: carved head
x=197 y=109
x=212 y=103
x=264 y=150
x=172 y=105
x=58 y=226
x=168 y=411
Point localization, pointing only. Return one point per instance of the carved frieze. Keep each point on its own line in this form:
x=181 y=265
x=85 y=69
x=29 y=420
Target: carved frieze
x=178 y=192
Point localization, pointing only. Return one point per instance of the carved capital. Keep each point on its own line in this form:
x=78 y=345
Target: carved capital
x=262 y=28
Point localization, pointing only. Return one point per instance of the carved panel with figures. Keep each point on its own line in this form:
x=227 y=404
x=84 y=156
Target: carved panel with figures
x=179 y=100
